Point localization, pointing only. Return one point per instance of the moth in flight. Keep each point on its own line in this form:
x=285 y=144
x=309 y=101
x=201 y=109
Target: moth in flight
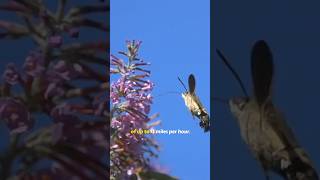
x=194 y=105
x=262 y=126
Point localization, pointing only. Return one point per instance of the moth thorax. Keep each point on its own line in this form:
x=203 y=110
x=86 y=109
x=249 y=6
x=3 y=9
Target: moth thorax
x=190 y=101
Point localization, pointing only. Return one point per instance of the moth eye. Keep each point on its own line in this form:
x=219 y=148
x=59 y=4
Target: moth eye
x=241 y=102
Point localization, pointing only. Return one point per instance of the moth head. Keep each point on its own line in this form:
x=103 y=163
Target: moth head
x=237 y=105
x=188 y=100
x=262 y=74
x=185 y=95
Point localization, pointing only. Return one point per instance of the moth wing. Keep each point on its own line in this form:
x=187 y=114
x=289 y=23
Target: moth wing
x=279 y=124
x=192 y=83
x=261 y=70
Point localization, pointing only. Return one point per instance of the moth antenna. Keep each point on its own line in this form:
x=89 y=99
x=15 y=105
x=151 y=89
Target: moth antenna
x=182 y=84
x=235 y=74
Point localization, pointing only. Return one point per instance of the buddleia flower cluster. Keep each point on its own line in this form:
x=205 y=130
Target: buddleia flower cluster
x=131 y=101
x=53 y=102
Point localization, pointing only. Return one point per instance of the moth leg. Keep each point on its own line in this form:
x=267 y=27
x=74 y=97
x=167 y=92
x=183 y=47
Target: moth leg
x=201 y=124
x=204 y=124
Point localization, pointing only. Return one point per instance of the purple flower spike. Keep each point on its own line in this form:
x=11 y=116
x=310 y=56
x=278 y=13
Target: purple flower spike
x=100 y=105
x=16 y=115
x=11 y=74
x=34 y=64
x=55 y=41
x=56 y=104
x=53 y=89
x=131 y=99
x=133 y=48
x=73 y=32
x=64 y=71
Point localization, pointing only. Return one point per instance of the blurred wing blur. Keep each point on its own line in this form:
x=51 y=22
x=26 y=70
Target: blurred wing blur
x=262 y=70
x=192 y=83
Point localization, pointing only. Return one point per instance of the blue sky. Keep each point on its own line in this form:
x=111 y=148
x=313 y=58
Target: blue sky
x=175 y=37
x=292 y=31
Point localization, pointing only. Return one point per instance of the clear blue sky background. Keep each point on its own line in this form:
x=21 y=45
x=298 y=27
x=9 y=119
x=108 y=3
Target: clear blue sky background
x=293 y=32
x=175 y=37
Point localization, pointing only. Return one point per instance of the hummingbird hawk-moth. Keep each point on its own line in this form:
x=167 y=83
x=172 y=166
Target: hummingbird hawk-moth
x=262 y=126
x=194 y=104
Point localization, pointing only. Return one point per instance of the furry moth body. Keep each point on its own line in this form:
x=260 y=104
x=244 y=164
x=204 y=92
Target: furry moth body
x=262 y=126
x=194 y=104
